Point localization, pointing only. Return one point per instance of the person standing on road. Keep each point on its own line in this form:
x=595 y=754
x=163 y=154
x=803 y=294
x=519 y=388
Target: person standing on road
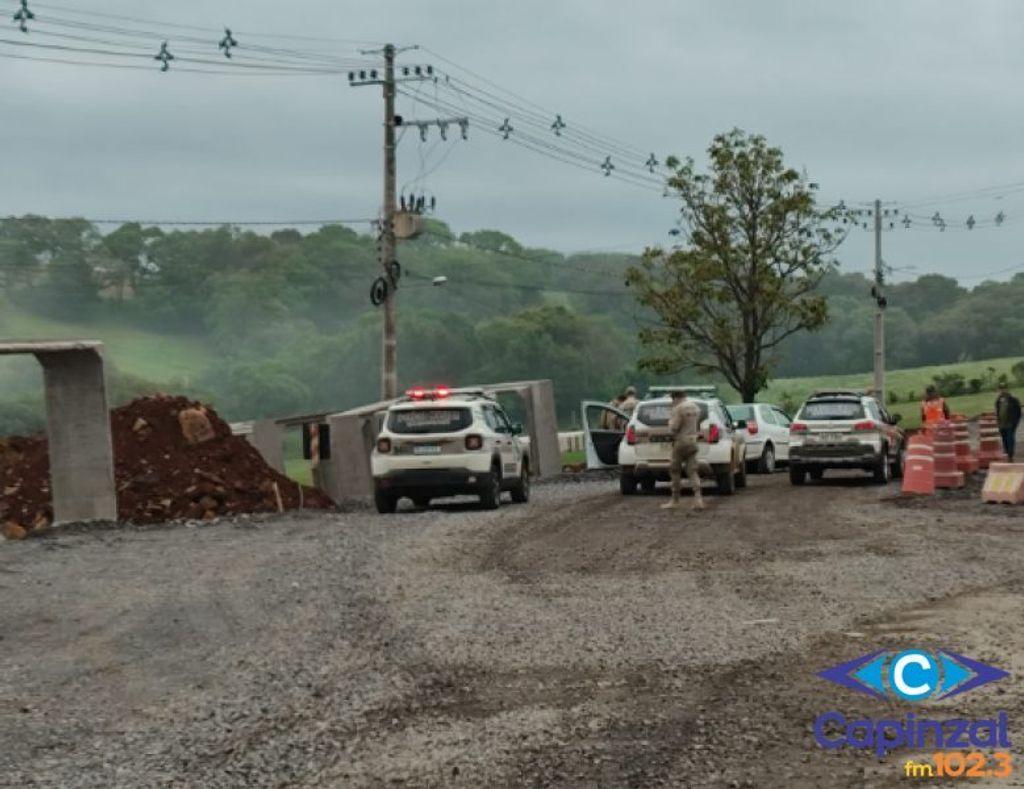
x=685 y=426
x=629 y=402
x=1008 y=417
x=933 y=407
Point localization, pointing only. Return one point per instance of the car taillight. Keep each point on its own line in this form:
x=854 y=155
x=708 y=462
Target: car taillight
x=714 y=433
x=867 y=424
x=751 y=428
x=798 y=427
x=384 y=445
x=630 y=435
x=474 y=442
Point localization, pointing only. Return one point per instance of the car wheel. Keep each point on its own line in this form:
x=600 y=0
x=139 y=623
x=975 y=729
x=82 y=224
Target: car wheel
x=490 y=495
x=817 y=474
x=386 y=502
x=647 y=484
x=724 y=480
x=627 y=483
x=766 y=465
x=882 y=472
x=797 y=474
x=521 y=491
x=899 y=463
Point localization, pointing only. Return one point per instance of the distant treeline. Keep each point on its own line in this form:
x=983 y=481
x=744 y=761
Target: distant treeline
x=289 y=318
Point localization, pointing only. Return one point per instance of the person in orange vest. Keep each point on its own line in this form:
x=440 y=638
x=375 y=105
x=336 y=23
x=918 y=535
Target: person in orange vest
x=933 y=407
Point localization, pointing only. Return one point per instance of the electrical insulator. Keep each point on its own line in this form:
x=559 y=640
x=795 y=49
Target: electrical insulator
x=164 y=56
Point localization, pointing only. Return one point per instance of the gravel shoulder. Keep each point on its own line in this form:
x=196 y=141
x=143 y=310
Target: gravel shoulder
x=584 y=639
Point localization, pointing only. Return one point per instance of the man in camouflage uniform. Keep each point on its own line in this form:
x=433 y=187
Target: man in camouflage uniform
x=685 y=426
x=629 y=401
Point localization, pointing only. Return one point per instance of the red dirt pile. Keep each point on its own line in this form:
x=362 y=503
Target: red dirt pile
x=173 y=458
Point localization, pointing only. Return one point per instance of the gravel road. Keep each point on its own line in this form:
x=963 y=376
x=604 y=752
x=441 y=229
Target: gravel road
x=585 y=639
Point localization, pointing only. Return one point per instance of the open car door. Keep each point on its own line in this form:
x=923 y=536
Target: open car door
x=603 y=430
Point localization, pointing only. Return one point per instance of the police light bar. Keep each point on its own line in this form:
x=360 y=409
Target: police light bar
x=422 y=393
x=708 y=390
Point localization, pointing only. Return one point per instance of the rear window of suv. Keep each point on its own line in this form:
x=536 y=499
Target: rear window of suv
x=657 y=414
x=430 y=420
x=741 y=412
x=832 y=409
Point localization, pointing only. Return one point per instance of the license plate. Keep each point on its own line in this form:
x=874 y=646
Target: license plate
x=661 y=439
x=426 y=449
x=829 y=438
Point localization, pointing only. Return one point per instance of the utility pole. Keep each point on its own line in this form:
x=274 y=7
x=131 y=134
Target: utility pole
x=385 y=287
x=389 y=355
x=879 y=309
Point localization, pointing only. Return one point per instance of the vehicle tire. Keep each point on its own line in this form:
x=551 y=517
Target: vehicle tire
x=899 y=464
x=797 y=474
x=882 y=471
x=490 y=493
x=766 y=465
x=521 y=491
x=816 y=474
x=741 y=476
x=647 y=484
x=627 y=483
x=421 y=501
x=724 y=480
x=386 y=502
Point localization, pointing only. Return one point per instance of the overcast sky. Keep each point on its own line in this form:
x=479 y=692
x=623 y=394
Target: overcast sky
x=904 y=101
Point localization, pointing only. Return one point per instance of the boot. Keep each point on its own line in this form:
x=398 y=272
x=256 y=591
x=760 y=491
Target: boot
x=698 y=502
x=672 y=504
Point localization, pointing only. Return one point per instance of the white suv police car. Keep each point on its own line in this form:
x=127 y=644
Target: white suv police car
x=442 y=442
x=641 y=444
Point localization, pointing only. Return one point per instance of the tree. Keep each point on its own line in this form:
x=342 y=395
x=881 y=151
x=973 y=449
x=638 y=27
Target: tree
x=755 y=248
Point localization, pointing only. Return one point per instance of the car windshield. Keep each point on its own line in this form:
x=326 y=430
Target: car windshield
x=744 y=412
x=429 y=420
x=657 y=414
x=832 y=409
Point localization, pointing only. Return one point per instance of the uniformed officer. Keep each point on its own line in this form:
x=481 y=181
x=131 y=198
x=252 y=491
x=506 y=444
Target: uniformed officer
x=685 y=426
x=629 y=403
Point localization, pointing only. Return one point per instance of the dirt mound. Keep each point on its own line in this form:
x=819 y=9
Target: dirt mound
x=160 y=474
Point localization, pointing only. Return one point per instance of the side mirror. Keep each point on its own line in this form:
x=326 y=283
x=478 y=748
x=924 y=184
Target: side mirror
x=897 y=418
x=740 y=424
x=517 y=428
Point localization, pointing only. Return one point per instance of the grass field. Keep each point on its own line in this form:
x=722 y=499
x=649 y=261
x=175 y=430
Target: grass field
x=902 y=382
x=150 y=355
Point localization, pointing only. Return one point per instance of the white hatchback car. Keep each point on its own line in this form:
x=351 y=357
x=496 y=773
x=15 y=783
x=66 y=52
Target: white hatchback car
x=641 y=445
x=766 y=430
x=442 y=442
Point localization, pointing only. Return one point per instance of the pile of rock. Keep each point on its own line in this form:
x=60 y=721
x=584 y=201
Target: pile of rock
x=173 y=458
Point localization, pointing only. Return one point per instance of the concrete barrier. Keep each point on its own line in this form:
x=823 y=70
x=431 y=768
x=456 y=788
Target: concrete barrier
x=267 y=436
x=571 y=441
x=77 y=427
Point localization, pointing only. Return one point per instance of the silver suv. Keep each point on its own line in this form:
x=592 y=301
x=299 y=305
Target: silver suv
x=846 y=430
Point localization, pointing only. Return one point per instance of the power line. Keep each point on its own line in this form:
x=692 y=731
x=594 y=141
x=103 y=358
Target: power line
x=544 y=112
x=192 y=222
x=225 y=64
x=148 y=39
x=582 y=161
x=77 y=11
x=525 y=288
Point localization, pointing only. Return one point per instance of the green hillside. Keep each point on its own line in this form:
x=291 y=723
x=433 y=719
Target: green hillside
x=137 y=352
